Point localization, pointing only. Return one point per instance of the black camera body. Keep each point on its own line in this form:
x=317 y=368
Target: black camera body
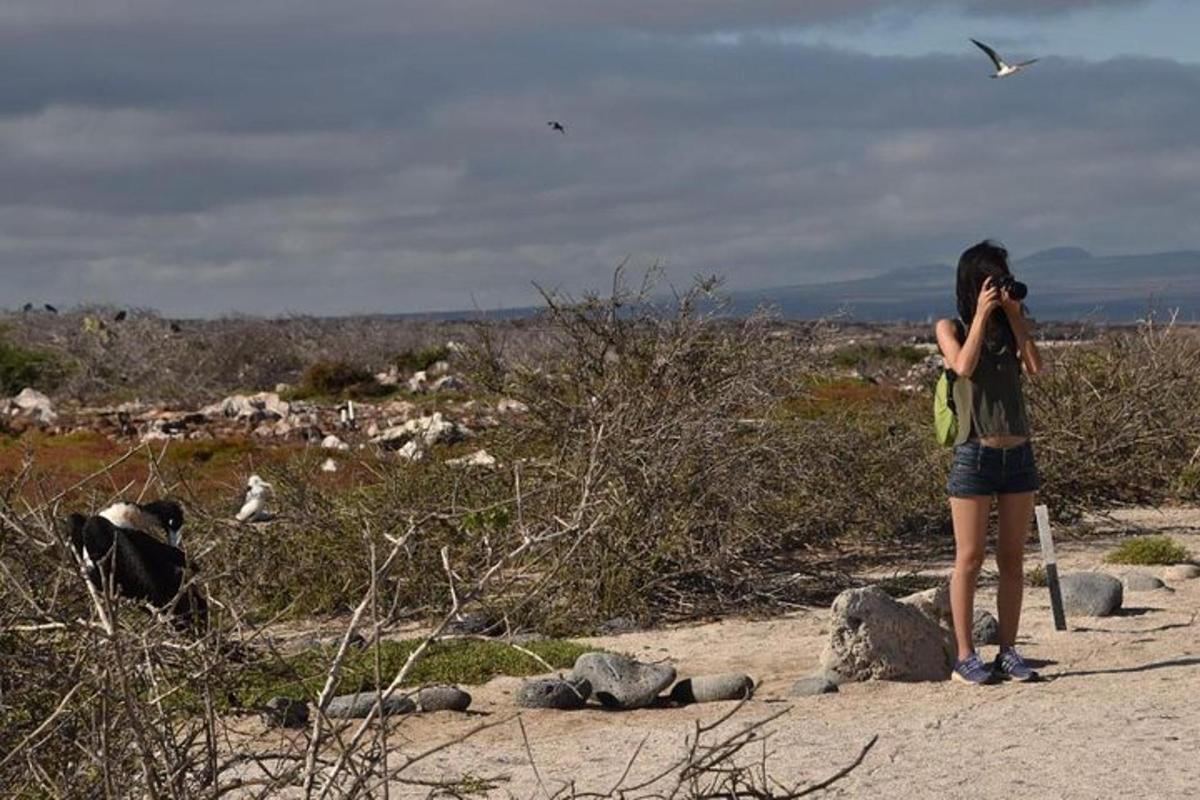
x=1011 y=286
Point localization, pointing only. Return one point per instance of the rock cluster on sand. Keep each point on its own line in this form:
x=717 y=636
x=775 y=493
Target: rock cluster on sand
x=619 y=681
x=1091 y=594
x=874 y=637
x=713 y=688
x=557 y=693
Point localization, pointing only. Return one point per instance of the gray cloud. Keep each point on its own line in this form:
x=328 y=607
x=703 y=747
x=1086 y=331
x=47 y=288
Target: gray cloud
x=346 y=166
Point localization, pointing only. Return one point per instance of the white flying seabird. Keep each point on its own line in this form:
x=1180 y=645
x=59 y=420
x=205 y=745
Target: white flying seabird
x=254 y=506
x=1003 y=68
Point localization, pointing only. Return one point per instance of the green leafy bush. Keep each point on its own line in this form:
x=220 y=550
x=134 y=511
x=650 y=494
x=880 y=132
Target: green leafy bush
x=21 y=368
x=1149 y=550
x=331 y=378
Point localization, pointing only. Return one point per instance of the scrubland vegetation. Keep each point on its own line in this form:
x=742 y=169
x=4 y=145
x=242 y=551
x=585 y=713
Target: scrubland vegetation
x=671 y=464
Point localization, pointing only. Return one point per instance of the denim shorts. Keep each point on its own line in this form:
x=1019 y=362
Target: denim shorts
x=980 y=470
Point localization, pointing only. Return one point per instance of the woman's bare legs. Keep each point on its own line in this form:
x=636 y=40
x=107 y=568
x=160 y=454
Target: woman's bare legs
x=970 y=516
x=1015 y=512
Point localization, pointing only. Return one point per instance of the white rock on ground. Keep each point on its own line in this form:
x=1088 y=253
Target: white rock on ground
x=411 y=451
x=32 y=403
x=255 y=407
x=447 y=383
x=332 y=442
x=480 y=458
x=419 y=382
x=428 y=431
x=874 y=637
x=508 y=405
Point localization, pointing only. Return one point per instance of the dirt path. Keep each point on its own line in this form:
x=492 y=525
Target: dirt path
x=1116 y=715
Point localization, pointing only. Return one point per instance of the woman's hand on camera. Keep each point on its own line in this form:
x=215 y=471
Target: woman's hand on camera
x=989 y=300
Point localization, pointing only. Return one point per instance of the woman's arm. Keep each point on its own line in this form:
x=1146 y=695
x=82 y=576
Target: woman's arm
x=1026 y=346
x=963 y=357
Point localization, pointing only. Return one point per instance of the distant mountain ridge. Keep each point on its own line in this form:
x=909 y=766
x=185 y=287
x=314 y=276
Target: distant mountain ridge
x=1065 y=283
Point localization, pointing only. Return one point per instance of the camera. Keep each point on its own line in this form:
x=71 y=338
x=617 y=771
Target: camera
x=1011 y=286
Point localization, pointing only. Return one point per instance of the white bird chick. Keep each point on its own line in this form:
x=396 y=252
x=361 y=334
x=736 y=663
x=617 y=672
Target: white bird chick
x=254 y=505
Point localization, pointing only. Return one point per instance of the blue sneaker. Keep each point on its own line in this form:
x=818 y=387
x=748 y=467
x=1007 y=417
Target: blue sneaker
x=973 y=671
x=1010 y=664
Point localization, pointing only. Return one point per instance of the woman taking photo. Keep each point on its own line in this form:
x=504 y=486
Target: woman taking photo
x=988 y=348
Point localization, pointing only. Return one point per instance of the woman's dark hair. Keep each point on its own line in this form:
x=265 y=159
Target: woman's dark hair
x=979 y=262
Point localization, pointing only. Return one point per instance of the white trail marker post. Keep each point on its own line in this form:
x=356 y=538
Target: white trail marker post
x=1051 y=562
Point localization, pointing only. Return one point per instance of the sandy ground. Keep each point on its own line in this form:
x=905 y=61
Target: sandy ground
x=1115 y=716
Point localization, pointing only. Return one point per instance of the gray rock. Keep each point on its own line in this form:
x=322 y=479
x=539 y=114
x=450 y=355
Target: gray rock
x=1091 y=594
x=284 y=712
x=713 y=688
x=443 y=698
x=620 y=682
x=985 y=629
x=874 y=637
x=356 y=706
x=1181 y=572
x=1141 y=582
x=554 y=693
x=816 y=684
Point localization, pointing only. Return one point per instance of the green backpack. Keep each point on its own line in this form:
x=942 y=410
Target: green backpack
x=945 y=415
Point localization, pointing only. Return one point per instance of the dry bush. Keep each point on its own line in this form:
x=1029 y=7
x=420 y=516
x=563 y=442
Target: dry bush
x=192 y=362
x=1118 y=420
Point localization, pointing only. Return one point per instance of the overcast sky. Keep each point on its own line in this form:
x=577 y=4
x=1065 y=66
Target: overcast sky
x=378 y=156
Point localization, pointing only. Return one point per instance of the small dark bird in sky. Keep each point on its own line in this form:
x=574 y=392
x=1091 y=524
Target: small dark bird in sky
x=557 y=126
x=120 y=316
x=1003 y=68
x=50 y=308
x=27 y=308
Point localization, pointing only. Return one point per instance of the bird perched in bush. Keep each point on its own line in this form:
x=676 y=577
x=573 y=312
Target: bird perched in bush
x=254 y=502
x=137 y=565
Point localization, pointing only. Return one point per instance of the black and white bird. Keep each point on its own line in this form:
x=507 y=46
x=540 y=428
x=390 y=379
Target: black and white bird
x=139 y=566
x=160 y=518
x=557 y=126
x=1003 y=68
x=254 y=503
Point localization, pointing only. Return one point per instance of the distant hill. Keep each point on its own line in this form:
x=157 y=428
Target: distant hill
x=1065 y=283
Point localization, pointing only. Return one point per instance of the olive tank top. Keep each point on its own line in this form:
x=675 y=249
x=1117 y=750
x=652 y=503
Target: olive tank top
x=990 y=402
